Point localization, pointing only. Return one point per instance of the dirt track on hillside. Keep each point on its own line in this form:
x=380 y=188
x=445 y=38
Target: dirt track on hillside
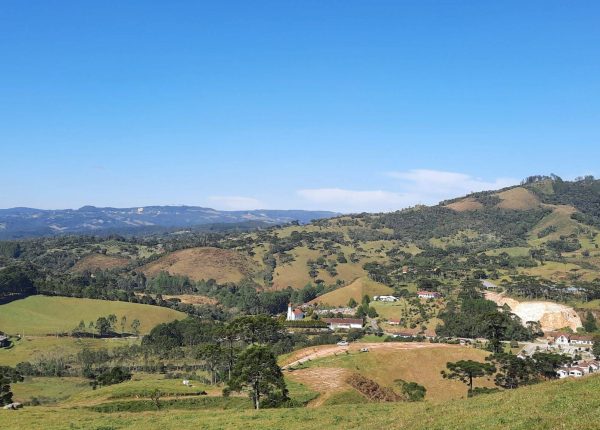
x=313 y=353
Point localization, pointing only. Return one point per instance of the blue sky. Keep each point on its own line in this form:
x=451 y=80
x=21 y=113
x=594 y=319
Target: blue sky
x=343 y=105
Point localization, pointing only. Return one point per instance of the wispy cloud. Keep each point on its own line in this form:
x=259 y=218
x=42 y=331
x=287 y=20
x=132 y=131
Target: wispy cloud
x=419 y=186
x=437 y=184
x=353 y=200
x=235 y=202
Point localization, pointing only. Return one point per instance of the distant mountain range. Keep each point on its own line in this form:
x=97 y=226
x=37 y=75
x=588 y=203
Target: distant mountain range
x=27 y=222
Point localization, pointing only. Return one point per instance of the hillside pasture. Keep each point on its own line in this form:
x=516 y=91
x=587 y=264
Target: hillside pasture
x=222 y=265
x=30 y=347
x=49 y=390
x=518 y=198
x=94 y=262
x=42 y=315
x=387 y=362
x=356 y=290
x=465 y=205
x=576 y=400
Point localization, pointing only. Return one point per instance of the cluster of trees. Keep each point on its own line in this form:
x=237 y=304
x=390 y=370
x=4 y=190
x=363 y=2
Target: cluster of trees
x=17 y=282
x=8 y=376
x=509 y=371
x=474 y=316
x=107 y=325
x=238 y=353
x=533 y=287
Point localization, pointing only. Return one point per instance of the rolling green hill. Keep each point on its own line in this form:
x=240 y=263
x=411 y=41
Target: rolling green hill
x=41 y=315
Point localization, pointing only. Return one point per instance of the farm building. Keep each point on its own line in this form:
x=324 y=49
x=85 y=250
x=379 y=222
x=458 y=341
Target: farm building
x=294 y=314
x=428 y=295
x=393 y=321
x=385 y=298
x=4 y=342
x=343 y=323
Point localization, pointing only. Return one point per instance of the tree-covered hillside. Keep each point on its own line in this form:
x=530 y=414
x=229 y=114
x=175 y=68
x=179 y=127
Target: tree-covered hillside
x=546 y=229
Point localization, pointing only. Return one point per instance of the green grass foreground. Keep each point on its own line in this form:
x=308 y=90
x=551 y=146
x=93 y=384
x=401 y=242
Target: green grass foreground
x=553 y=405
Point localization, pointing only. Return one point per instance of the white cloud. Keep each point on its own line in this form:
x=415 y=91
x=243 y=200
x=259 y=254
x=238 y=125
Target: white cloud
x=419 y=186
x=237 y=203
x=352 y=200
x=440 y=185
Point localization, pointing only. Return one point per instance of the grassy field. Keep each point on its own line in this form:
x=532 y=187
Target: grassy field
x=41 y=315
x=49 y=390
x=566 y=404
x=99 y=261
x=518 y=199
x=29 y=347
x=222 y=265
x=356 y=290
x=421 y=365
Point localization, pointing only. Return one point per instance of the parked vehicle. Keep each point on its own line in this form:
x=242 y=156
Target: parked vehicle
x=342 y=343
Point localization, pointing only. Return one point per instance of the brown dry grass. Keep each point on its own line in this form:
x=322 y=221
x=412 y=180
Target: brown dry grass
x=416 y=362
x=356 y=290
x=464 y=205
x=326 y=381
x=222 y=265
x=518 y=199
x=192 y=299
x=99 y=261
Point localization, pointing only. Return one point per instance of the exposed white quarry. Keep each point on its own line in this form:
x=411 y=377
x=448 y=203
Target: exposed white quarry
x=551 y=316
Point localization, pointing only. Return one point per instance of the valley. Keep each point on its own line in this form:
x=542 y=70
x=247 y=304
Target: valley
x=148 y=330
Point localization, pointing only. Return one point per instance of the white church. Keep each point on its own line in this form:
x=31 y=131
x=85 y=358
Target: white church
x=294 y=314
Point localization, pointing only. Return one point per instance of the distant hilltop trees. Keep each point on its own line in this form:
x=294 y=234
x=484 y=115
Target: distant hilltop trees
x=554 y=178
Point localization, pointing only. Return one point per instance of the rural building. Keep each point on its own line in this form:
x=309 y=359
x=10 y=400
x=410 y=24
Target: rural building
x=590 y=366
x=385 y=298
x=4 y=342
x=294 y=314
x=567 y=339
x=428 y=295
x=343 y=323
x=403 y=335
x=582 y=368
x=393 y=321
x=573 y=372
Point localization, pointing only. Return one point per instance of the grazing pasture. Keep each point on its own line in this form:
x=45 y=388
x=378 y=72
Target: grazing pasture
x=42 y=315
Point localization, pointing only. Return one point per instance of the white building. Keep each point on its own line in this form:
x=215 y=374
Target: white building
x=385 y=298
x=343 y=323
x=428 y=295
x=294 y=314
x=566 y=339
